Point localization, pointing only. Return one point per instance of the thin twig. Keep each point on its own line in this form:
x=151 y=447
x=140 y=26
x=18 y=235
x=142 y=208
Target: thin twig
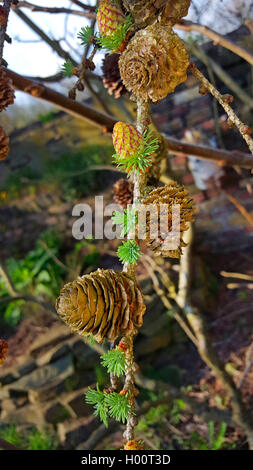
x=217 y=38
x=7 y=281
x=240 y=208
x=236 y=89
x=55 y=259
x=249 y=363
x=243 y=129
x=245 y=277
x=168 y=305
x=32 y=7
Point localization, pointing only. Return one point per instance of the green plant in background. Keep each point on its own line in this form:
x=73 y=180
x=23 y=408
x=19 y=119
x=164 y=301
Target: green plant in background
x=36 y=274
x=39 y=275
x=41 y=440
x=12 y=435
x=47 y=117
x=215 y=440
x=31 y=440
x=62 y=172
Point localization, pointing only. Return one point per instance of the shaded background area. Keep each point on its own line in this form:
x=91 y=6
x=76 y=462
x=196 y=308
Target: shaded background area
x=48 y=370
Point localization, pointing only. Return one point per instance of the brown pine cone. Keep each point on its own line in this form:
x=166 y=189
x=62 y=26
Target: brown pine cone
x=111 y=76
x=123 y=192
x=146 y=12
x=6 y=92
x=170 y=194
x=143 y=12
x=4 y=144
x=105 y=304
x=154 y=63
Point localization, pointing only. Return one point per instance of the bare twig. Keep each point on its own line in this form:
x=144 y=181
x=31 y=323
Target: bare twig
x=55 y=45
x=54 y=258
x=7 y=281
x=249 y=363
x=240 y=208
x=236 y=89
x=164 y=298
x=83 y=5
x=245 y=277
x=243 y=129
x=32 y=7
x=217 y=38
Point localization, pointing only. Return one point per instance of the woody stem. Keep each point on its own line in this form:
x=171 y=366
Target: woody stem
x=139 y=180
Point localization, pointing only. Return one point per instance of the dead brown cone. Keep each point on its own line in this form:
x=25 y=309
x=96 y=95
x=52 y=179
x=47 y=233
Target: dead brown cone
x=6 y=91
x=105 y=304
x=146 y=12
x=168 y=195
x=123 y=192
x=154 y=63
x=4 y=144
x=143 y=12
x=111 y=76
x=174 y=10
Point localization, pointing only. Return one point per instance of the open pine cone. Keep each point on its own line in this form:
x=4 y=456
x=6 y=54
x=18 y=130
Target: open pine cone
x=111 y=76
x=4 y=144
x=6 y=92
x=123 y=192
x=174 y=10
x=170 y=194
x=145 y=12
x=104 y=303
x=154 y=63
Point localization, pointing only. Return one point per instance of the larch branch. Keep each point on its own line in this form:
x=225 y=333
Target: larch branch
x=244 y=130
x=32 y=7
x=217 y=38
x=107 y=122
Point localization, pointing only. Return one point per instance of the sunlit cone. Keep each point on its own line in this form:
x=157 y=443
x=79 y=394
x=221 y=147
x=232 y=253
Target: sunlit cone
x=146 y=12
x=4 y=144
x=127 y=140
x=133 y=445
x=123 y=192
x=174 y=10
x=3 y=350
x=168 y=195
x=105 y=304
x=109 y=17
x=154 y=63
x=6 y=91
x=143 y=12
x=111 y=76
